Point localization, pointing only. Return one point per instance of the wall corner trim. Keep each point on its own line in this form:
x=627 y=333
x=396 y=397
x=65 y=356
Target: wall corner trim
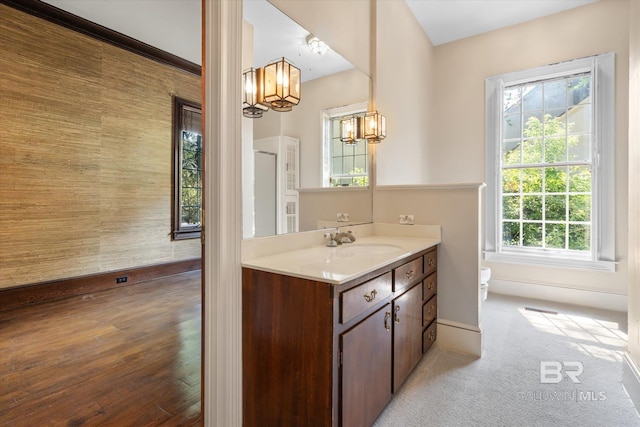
x=459 y=338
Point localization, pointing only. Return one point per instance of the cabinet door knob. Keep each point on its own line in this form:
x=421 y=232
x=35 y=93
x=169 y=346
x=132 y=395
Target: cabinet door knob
x=395 y=314
x=370 y=297
x=387 y=315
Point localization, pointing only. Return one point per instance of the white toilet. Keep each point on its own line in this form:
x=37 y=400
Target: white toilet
x=485 y=275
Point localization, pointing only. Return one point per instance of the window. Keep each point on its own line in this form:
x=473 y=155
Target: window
x=550 y=165
x=187 y=169
x=345 y=165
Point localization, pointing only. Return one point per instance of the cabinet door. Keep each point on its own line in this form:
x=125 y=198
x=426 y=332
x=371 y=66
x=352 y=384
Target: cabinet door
x=407 y=334
x=366 y=369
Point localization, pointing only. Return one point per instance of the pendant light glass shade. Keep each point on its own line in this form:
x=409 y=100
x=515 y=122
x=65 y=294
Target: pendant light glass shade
x=281 y=85
x=375 y=127
x=252 y=93
x=349 y=130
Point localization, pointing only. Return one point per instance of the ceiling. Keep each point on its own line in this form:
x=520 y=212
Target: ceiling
x=449 y=20
x=175 y=25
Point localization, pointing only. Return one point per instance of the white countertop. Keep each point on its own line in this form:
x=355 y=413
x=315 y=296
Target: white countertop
x=340 y=264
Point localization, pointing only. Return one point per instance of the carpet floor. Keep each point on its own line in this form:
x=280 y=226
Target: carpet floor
x=544 y=364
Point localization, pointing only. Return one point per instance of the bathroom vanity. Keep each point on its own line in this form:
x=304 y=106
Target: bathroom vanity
x=328 y=342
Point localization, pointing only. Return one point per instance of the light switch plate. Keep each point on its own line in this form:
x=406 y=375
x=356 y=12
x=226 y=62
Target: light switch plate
x=342 y=217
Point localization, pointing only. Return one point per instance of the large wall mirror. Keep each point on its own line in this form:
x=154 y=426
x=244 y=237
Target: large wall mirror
x=297 y=173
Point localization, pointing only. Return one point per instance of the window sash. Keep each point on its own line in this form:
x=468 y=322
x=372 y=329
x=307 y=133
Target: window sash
x=187 y=122
x=535 y=235
x=602 y=256
x=359 y=154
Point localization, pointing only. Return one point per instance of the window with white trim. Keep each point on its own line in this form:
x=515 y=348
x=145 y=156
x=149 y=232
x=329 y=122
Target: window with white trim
x=345 y=165
x=550 y=184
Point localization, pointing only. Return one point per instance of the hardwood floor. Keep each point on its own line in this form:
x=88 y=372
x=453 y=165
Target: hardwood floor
x=122 y=357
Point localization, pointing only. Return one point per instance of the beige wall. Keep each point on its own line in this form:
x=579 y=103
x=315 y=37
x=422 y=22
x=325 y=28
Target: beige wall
x=457 y=148
x=86 y=140
x=456 y=210
x=404 y=93
x=634 y=177
x=323 y=205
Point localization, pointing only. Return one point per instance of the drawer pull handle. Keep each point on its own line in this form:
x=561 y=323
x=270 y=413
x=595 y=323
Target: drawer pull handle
x=431 y=336
x=410 y=274
x=431 y=262
x=395 y=314
x=387 y=315
x=429 y=309
x=430 y=285
x=369 y=298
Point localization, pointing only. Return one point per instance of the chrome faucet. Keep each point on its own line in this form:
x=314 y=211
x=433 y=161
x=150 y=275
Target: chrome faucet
x=343 y=237
x=340 y=237
x=332 y=239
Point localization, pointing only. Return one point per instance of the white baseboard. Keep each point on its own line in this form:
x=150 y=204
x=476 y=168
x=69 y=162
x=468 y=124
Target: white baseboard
x=630 y=380
x=460 y=338
x=587 y=298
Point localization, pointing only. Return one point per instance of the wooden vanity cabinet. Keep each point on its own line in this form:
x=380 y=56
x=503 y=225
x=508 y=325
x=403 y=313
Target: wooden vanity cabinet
x=429 y=300
x=319 y=354
x=407 y=334
x=366 y=381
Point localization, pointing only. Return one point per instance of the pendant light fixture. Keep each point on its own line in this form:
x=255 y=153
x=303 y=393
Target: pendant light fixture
x=252 y=93
x=370 y=126
x=281 y=85
x=375 y=127
x=350 y=129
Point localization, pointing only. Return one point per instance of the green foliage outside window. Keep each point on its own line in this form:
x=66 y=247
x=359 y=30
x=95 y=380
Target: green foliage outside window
x=546 y=175
x=191 y=180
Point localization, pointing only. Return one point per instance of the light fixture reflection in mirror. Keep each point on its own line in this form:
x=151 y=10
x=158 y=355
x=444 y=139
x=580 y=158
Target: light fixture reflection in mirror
x=252 y=91
x=281 y=85
x=316 y=45
x=329 y=82
x=349 y=130
x=371 y=126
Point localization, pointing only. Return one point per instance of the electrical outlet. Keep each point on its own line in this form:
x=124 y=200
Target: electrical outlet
x=121 y=279
x=406 y=219
x=342 y=217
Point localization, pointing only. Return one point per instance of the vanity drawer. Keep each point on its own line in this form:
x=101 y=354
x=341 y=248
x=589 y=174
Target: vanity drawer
x=431 y=261
x=429 y=311
x=429 y=286
x=429 y=336
x=407 y=274
x=364 y=296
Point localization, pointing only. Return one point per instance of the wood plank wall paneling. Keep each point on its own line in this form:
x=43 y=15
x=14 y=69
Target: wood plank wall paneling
x=85 y=154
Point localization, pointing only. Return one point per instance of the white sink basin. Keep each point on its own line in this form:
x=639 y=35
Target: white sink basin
x=344 y=262
x=358 y=249
x=349 y=258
